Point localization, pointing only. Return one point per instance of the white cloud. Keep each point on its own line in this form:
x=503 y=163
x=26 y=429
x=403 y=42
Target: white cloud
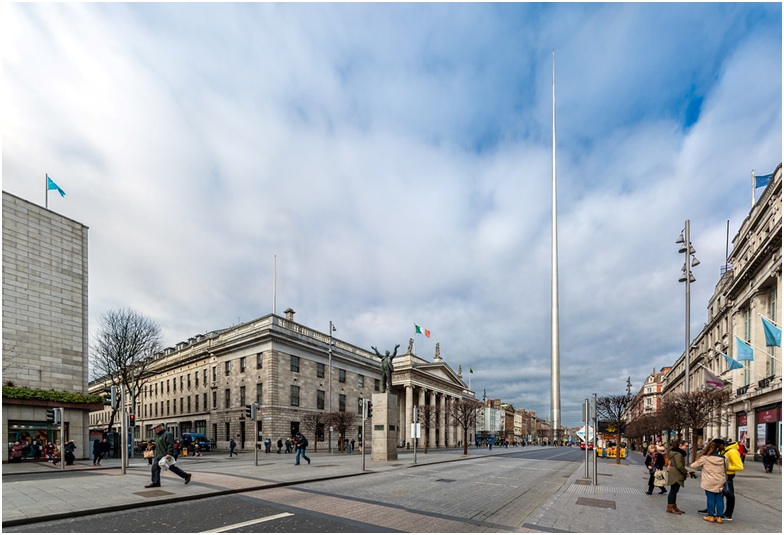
x=396 y=159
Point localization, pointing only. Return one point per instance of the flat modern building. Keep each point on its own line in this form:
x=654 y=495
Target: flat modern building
x=45 y=334
x=203 y=385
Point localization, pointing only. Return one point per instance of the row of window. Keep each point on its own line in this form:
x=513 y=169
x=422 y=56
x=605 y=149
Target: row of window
x=185 y=380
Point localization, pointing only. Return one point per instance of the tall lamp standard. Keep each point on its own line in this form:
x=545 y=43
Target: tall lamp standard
x=686 y=276
x=331 y=330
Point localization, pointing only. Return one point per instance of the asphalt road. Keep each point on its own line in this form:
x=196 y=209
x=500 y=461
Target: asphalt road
x=481 y=494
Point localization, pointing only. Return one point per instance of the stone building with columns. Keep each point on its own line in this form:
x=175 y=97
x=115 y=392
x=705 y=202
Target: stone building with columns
x=202 y=385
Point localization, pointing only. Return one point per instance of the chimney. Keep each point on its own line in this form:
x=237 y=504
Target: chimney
x=289 y=314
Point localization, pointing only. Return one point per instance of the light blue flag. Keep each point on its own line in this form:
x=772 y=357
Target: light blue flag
x=762 y=180
x=772 y=333
x=744 y=350
x=51 y=185
x=732 y=364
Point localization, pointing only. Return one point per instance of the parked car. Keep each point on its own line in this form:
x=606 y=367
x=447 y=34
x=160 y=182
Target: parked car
x=195 y=438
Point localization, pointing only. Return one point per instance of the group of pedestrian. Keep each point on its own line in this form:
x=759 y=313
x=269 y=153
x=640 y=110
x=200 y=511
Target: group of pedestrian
x=287 y=443
x=718 y=462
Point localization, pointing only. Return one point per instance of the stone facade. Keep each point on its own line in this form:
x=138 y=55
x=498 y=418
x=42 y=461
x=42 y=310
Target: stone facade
x=45 y=334
x=204 y=384
x=750 y=286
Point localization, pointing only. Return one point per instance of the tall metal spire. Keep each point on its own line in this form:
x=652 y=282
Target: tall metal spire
x=555 y=365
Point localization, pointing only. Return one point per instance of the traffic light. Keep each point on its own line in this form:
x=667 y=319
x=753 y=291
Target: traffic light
x=51 y=416
x=369 y=412
x=250 y=411
x=132 y=420
x=110 y=397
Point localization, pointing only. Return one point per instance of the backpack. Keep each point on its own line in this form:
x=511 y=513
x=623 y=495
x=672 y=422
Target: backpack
x=303 y=442
x=770 y=451
x=232 y=443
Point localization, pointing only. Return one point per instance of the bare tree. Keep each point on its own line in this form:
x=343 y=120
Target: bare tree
x=124 y=348
x=427 y=419
x=314 y=422
x=695 y=410
x=341 y=421
x=462 y=414
x=613 y=410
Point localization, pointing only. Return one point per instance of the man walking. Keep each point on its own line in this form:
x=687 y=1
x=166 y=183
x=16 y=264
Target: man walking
x=232 y=445
x=164 y=445
x=301 y=443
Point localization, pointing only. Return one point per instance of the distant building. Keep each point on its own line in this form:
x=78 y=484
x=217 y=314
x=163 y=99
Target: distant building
x=45 y=334
x=203 y=385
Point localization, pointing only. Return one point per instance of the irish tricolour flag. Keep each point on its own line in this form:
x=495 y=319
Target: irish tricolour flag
x=420 y=330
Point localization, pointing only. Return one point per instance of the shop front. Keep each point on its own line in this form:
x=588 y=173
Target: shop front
x=37 y=441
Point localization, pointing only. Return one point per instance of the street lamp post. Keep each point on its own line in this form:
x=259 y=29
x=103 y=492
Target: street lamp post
x=686 y=276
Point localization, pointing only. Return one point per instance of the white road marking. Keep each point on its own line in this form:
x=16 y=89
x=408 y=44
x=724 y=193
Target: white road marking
x=248 y=523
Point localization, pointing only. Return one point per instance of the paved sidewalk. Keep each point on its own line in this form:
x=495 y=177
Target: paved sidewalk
x=618 y=504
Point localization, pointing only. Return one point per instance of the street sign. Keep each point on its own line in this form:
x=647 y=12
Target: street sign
x=415 y=430
x=581 y=434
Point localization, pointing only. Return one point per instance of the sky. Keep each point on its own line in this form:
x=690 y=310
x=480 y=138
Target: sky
x=386 y=165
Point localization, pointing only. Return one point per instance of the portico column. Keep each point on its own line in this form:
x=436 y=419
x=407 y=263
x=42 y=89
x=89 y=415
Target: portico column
x=431 y=440
x=408 y=413
x=420 y=403
x=442 y=421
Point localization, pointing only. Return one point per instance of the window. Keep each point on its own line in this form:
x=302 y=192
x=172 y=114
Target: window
x=214 y=373
x=258 y=361
x=320 y=369
x=214 y=399
x=227 y=399
x=259 y=392
x=228 y=367
x=320 y=399
x=242 y=396
x=294 y=363
x=167 y=386
x=228 y=431
x=342 y=402
x=181 y=406
x=242 y=366
x=181 y=382
x=377 y=385
x=205 y=375
x=189 y=380
x=196 y=401
x=360 y=381
x=294 y=396
x=205 y=401
x=168 y=407
x=196 y=379
x=174 y=384
x=341 y=376
x=175 y=407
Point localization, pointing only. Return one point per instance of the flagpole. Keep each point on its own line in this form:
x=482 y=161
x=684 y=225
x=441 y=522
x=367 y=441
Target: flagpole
x=753 y=180
x=415 y=339
x=762 y=350
x=555 y=372
x=767 y=318
x=46 y=190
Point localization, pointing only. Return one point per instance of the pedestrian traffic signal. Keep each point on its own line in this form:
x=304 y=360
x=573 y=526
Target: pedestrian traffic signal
x=369 y=410
x=250 y=411
x=132 y=420
x=51 y=416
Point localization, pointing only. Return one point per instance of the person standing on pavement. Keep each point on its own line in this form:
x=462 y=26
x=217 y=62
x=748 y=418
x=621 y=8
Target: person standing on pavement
x=300 y=443
x=280 y=444
x=714 y=474
x=676 y=473
x=731 y=452
x=770 y=455
x=654 y=460
x=97 y=452
x=164 y=445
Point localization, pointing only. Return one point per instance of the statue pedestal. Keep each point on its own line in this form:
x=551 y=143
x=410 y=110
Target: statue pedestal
x=384 y=424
